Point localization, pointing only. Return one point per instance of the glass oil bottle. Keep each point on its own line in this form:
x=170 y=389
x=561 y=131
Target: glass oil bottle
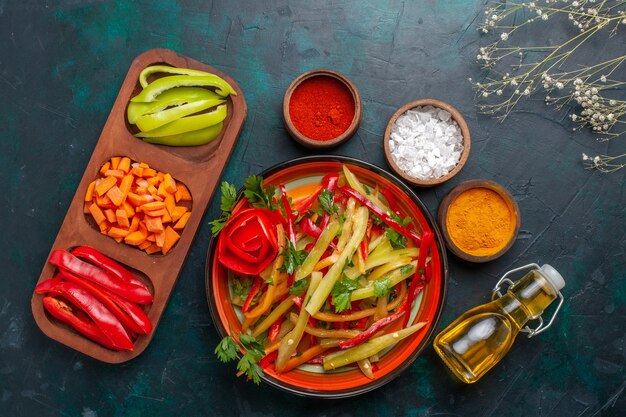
x=475 y=342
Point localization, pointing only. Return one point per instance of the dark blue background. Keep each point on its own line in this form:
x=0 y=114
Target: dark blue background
x=61 y=65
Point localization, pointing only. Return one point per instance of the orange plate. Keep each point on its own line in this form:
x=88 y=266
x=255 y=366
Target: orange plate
x=351 y=381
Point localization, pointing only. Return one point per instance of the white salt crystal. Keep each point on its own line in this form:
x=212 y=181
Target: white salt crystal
x=426 y=143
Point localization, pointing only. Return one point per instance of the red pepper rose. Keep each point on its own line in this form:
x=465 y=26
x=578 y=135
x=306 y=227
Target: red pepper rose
x=248 y=242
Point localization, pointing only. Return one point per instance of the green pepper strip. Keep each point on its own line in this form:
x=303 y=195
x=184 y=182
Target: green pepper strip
x=153 y=69
x=188 y=124
x=152 y=91
x=158 y=119
x=172 y=97
x=193 y=138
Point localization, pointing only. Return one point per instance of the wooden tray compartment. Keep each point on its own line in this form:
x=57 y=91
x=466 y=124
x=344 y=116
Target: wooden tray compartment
x=199 y=168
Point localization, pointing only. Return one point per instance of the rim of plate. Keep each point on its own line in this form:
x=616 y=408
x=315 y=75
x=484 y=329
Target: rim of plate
x=430 y=333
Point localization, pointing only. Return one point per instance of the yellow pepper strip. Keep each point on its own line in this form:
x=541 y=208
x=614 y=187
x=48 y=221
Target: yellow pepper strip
x=324 y=333
x=281 y=309
x=394 y=277
x=372 y=347
x=362 y=313
x=268 y=297
x=321 y=294
x=327 y=236
x=366 y=367
x=306 y=356
x=347 y=225
x=291 y=341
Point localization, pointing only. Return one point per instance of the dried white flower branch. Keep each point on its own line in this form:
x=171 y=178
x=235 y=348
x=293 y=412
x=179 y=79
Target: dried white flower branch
x=516 y=71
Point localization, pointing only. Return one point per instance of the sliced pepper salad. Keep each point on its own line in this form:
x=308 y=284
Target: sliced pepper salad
x=317 y=276
x=138 y=205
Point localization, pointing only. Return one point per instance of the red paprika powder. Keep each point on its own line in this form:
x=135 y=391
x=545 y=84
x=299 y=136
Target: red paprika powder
x=321 y=108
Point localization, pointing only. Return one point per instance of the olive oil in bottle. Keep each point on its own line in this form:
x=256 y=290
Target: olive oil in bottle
x=475 y=342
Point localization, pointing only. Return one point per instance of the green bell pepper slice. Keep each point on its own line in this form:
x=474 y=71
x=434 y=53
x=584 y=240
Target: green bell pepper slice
x=163 y=117
x=193 y=138
x=157 y=87
x=188 y=124
x=154 y=69
x=172 y=97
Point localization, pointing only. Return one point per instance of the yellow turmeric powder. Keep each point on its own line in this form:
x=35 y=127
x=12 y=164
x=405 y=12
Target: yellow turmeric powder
x=480 y=222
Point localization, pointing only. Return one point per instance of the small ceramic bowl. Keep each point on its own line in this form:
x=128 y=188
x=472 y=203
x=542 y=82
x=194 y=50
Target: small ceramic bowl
x=456 y=116
x=449 y=199
x=330 y=143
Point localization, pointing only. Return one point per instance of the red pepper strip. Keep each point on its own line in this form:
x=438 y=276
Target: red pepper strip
x=275 y=329
x=106 y=263
x=414 y=290
x=62 y=311
x=101 y=316
x=131 y=292
x=268 y=359
x=290 y=227
x=374 y=367
x=256 y=286
x=308 y=227
x=360 y=323
x=47 y=285
x=366 y=240
x=129 y=314
x=312 y=323
x=329 y=182
x=411 y=234
x=375 y=327
x=318 y=360
x=429 y=272
x=309 y=247
x=427 y=239
x=391 y=199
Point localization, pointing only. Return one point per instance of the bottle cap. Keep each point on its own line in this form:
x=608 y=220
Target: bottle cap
x=553 y=276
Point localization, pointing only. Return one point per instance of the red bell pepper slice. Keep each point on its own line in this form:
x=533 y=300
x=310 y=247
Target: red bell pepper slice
x=297 y=300
x=101 y=316
x=308 y=227
x=411 y=234
x=329 y=182
x=391 y=200
x=427 y=240
x=129 y=314
x=64 y=312
x=254 y=290
x=131 y=292
x=375 y=327
x=106 y=263
x=248 y=242
x=275 y=329
x=268 y=359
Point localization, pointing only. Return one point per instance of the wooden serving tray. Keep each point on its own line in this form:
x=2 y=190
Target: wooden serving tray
x=198 y=167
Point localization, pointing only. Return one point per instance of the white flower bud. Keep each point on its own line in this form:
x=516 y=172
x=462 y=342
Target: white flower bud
x=504 y=36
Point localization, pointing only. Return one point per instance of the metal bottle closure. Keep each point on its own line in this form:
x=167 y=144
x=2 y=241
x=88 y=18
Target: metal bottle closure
x=495 y=293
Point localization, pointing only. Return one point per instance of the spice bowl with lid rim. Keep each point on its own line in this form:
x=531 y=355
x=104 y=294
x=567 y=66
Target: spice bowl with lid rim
x=511 y=205
x=344 y=136
x=455 y=115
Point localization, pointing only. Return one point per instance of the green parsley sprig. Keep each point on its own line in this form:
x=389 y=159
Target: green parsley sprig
x=341 y=293
x=258 y=196
x=293 y=258
x=227 y=203
x=227 y=349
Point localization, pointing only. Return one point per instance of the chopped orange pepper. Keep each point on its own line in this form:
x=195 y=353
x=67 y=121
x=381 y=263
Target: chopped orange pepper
x=122 y=218
x=134 y=224
x=126 y=184
x=130 y=211
x=160 y=238
x=105 y=168
x=105 y=184
x=170 y=184
x=156 y=213
x=178 y=212
x=182 y=193
x=114 y=173
x=155 y=205
x=149 y=172
x=97 y=213
x=124 y=165
x=115 y=195
x=115 y=162
x=182 y=221
x=171 y=237
x=153 y=248
x=135 y=238
x=90 y=188
x=116 y=232
x=137 y=200
x=110 y=215
x=153 y=224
